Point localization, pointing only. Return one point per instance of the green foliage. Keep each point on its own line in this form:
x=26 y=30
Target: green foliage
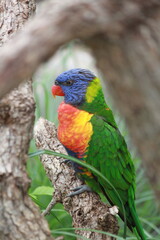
x=62 y=231
x=41 y=189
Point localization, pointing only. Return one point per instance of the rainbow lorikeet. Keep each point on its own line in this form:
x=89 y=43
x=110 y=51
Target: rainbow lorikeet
x=89 y=132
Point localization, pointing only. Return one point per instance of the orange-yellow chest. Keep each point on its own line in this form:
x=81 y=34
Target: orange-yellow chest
x=75 y=128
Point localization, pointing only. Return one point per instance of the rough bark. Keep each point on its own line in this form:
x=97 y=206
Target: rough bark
x=19 y=217
x=125 y=38
x=87 y=210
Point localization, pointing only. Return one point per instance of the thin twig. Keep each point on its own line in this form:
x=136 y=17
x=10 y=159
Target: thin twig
x=49 y=207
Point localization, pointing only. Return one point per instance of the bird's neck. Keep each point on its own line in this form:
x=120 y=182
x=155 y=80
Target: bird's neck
x=95 y=102
x=94 y=98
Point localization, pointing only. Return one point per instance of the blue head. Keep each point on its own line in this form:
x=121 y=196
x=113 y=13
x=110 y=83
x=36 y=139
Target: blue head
x=72 y=85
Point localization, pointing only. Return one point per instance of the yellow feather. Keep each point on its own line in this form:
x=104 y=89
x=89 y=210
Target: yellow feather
x=92 y=90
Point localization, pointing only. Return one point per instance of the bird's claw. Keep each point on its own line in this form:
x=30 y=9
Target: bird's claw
x=79 y=190
x=67 y=161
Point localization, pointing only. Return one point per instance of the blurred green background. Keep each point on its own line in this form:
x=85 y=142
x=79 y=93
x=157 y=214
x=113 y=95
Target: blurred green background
x=70 y=56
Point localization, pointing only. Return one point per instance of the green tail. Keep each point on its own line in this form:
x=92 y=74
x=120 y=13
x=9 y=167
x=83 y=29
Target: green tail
x=138 y=229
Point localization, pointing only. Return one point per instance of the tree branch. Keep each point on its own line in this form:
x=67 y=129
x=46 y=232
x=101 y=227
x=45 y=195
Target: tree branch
x=19 y=217
x=49 y=207
x=86 y=209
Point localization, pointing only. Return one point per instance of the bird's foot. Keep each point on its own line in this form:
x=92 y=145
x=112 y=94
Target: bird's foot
x=113 y=210
x=67 y=161
x=79 y=190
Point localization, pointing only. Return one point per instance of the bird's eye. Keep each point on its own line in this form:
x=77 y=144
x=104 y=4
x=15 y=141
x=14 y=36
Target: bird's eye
x=56 y=82
x=68 y=83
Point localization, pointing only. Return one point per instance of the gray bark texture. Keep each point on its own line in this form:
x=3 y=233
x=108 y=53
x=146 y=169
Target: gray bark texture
x=87 y=210
x=125 y=39
x=19 y=217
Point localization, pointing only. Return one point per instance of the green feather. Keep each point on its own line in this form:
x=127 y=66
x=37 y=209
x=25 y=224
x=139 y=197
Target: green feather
x=108 y=153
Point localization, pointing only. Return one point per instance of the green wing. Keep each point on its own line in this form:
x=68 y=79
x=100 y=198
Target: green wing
x=108 y=153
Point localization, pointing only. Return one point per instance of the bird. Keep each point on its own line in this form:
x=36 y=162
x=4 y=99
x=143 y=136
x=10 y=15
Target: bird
x=89 y=132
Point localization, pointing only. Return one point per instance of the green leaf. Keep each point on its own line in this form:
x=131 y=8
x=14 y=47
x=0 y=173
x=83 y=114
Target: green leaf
x=69 y=234
x=89 y=230
x=43 y=190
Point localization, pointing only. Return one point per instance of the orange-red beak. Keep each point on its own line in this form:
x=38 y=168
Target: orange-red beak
x=57 y=91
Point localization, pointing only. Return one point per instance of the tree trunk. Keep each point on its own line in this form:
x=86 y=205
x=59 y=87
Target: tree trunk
x=19 y=217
